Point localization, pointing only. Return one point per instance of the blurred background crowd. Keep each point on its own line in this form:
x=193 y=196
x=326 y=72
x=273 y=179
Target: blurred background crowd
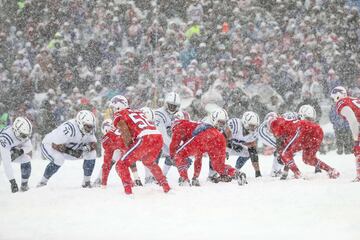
x=60 y=56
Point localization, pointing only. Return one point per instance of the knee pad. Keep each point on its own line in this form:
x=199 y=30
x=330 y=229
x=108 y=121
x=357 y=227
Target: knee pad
x=88 y=167
x=189 y=162
x=241 y=161
x=51 y=168
x=168 y=161
x=25 y=170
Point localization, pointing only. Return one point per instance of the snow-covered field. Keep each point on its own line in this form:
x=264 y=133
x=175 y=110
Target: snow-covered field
x=266 y=208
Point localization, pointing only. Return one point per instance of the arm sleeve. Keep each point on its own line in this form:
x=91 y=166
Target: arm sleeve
x=175 y=142
x=6 y=158
x=27 y=147
x=160 y=125
x=349 y=114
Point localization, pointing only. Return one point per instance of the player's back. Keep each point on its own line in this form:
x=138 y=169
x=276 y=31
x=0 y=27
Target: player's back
x=309 y=131
x=112 y=140
x=353 y=103
x=184 y=128
x=283 y=128
x=136 y=122
x=213 y=139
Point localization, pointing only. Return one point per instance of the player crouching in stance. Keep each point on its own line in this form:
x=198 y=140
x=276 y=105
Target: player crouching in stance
x=114 y=148
x=243 y=140
x=72 y=140
x=349 y=108
x=15 y=146
x=296 y=135
x=206 y=138
x=142 y=139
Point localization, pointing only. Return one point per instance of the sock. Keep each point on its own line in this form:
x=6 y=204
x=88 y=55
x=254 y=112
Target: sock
x=147 y=173
x=50 y=170
x=166 y=169
x=88 y=167
x=25 y=171
x=240 y=162
x=136 y=175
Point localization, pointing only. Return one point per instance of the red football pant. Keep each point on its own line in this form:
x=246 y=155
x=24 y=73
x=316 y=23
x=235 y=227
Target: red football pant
x=310 y=148
x=205 y=142
x=146 y=149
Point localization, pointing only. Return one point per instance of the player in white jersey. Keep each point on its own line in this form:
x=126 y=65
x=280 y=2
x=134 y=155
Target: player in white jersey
x=15 y=146
x=269 y=140
x=244 y=139
x=74 y=139
x=164 y=117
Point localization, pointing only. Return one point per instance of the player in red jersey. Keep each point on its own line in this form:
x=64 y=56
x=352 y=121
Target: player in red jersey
x=142 y=139
x=114 y=148
x=206 y=138
x=349 y=108
x=182 y=130
x=296 y=135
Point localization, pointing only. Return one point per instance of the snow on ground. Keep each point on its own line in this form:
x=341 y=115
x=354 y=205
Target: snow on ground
x=266 y=208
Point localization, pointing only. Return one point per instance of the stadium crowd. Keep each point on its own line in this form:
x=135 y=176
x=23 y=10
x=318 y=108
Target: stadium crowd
x=60 y=56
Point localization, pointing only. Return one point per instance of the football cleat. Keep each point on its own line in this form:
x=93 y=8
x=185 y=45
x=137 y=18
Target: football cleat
x=184 y=182
x=97 y=183
x=195 y=182
x=357 y=179
x=86 y=184
x=138 y=183
x=241 y=178
x=24 y=187
x=333 y=174
x=41 y=184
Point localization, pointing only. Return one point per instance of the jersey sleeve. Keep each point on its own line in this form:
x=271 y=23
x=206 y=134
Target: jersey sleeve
x=6 y=158
x=175 y=140
x=160 y=123
x=27 y=146
x=63 y=133
x=350 y=116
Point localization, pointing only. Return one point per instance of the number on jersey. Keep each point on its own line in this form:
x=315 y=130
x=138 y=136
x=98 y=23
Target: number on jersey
x=356 y=102
x=140 y=120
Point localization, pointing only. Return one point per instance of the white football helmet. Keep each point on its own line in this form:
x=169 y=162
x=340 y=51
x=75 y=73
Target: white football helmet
x=290 y=116
x=182 y=115
x=118 y=103
x=307 y=112
x=338 y=93
x=270 y=115
x=106 y=126
x=22 y=128
x=149 y=113
x=172 y=102
x=250 y=121
x=219 y=118
x=86 y=121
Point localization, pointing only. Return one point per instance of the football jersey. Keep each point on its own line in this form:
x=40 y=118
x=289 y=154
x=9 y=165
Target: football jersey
x=353 y=103
x=8 y=140
x=112 y=140
x=70 y=135
x=163 y=121
x=239 y=133
x=182 y=131
x=136 y=121
x=265 y=135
